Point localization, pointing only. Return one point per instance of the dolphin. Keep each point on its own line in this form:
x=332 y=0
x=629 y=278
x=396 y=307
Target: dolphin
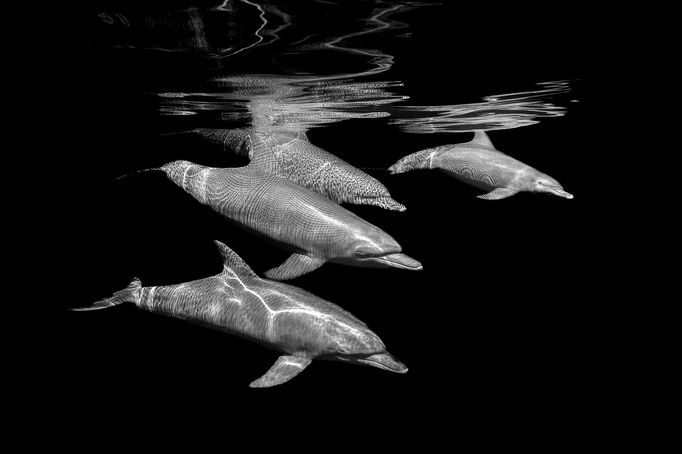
x=480 y=164
x=310 y=225
x=286 y=318
x=290 y=155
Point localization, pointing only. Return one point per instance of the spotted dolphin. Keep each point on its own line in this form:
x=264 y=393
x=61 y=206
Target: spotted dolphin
x=286 y=318
x=479 y=164
x=290 y=155
x=310 y=225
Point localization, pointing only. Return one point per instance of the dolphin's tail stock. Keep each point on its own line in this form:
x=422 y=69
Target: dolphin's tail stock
x=420 y=160
x=130 y=294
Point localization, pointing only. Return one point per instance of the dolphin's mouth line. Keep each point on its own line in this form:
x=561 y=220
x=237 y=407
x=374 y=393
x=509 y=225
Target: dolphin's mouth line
x=379 y=365
x=393 y=262
x=384 y=361
x=560 y=192
x=387 y=260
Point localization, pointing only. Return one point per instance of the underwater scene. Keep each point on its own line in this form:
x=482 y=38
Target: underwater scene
x=368 y=201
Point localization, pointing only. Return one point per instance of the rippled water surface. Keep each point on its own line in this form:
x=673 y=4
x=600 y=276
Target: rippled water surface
x=254 y=63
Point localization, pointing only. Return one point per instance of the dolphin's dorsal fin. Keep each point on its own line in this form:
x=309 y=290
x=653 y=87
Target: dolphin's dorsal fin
x=231 y=261
x=482 y=139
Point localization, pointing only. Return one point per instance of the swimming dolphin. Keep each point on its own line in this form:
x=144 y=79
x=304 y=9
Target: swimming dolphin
x=286 y=318
x=313 y=227
x=480 y=164
x=290 y=155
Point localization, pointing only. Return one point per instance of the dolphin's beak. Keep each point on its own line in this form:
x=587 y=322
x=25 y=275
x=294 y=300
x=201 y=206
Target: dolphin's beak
x=388 y=203
x=560 y=192
x=398 y=260
x=384 y=361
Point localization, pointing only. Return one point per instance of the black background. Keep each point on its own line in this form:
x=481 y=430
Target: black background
x=498 y=331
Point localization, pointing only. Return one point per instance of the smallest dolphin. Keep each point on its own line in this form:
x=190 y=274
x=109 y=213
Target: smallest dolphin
x=479 y=164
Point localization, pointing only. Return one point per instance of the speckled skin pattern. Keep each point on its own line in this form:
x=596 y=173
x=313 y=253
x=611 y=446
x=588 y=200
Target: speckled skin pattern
x=296 y=218
x=290 y=155
x=285 y=318
x=479 y=164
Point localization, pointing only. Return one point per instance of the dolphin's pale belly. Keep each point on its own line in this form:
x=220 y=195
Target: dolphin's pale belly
x=294 y=322
x=284 y=212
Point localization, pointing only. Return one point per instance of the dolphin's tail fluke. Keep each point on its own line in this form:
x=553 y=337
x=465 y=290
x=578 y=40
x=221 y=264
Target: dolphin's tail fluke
x=130 y=294
x=420 y=160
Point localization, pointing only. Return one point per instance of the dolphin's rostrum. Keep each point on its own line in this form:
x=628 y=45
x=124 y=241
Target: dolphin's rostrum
x=314 y=228
x=286 y=318
x=480 y=164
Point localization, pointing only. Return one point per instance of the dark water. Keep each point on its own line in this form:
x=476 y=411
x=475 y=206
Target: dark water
x=492 y=330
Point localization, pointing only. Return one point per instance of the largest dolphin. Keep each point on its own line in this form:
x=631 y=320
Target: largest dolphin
x=290 y=155
x=478 y=163
x=312 y=226
x=299 y=324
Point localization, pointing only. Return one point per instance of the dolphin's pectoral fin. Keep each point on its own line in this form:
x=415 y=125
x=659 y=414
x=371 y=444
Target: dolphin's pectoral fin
x=296 y=265
x=285 y=368
x=497 y=194
x=397 y=260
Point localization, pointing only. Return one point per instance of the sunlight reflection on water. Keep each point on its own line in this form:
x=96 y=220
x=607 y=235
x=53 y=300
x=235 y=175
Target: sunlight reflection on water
x=506 y=111
x=314 y=56
x=298 y=103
